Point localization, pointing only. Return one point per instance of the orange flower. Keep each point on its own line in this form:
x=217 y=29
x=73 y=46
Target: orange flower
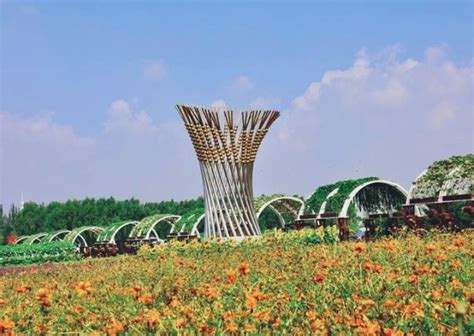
x=369 y=328
x=390 y=246
x=455 y=283
x=82 y=288
x=389 y=304
x=231 y=276
x=244 y=268
x=359 y=247
x=250 y=301
x=275 y=322
x=430 y=248
x=414 y=279
x=115 y=328
x=367 y=302
x=249 y=328
x=455 y=264
x=231 y=327
x=146 y=299
x=43 y=296
x=317 y=324
x=212 y=293
x=137 y=289
x=23 y=289
x=6 y=326
x=392 y=332
x=206 y=329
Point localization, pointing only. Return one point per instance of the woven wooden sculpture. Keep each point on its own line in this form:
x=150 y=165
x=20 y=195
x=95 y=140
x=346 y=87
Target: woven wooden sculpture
x=226 y=151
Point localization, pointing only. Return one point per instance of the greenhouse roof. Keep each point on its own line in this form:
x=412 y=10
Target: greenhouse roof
x=369 y=193
x=444 y=179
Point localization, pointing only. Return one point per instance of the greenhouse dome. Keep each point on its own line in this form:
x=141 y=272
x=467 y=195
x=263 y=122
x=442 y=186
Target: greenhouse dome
x=352 y=202
x=84 y=235
x=157 y=226
x=117 y=232
x=444 y=181
x=287 y=209
x=192 y=222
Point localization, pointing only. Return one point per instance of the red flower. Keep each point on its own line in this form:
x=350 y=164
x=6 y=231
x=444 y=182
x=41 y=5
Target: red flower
x=11 y=239
x=319 y=278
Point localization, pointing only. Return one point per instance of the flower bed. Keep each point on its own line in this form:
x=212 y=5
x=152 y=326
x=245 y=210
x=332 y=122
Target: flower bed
x=279 y=284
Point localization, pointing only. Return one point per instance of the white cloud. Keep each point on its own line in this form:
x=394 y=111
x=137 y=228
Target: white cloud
x=384 y=115
x=132 y=157
x=121 y=119
x=241 y=84
x=41 y=127
x=219 y=104
x=261 y=103
x=155 y=70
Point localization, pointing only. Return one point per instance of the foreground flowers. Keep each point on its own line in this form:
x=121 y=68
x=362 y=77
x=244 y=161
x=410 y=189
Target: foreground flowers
x=279 y=284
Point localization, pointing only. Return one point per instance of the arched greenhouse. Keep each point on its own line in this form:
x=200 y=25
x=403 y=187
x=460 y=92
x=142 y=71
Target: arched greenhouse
x=192 y=222
x=443 y=194
x=157 y=226
x=355 y=205
x=277 y=210
x=84 y=235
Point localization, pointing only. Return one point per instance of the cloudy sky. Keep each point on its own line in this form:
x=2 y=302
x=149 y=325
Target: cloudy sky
x=88 y=92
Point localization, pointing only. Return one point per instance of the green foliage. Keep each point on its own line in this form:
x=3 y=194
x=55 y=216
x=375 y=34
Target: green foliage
x=268 y=220
x=431 y=183
x=379 y=196
x=335 y=202
x=37 y=253
x=188 y=219
x=35 y=218
x=355 y=222
x=314 y=202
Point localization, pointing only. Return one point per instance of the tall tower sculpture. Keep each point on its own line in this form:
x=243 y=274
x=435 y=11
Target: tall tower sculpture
x=226 y=149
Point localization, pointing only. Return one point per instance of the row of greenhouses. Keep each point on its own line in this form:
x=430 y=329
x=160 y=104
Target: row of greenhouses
x=351 y=204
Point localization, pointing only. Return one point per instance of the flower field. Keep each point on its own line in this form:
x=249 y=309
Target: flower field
x=281 y=284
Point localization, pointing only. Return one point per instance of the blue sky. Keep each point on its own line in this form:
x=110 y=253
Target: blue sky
x=88 y=91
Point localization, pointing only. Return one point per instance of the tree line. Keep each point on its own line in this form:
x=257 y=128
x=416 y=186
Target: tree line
x=36 y=218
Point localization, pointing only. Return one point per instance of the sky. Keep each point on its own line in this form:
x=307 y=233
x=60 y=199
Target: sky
x=365 y=88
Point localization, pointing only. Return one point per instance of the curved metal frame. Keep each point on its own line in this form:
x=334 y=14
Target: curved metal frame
x=77 y=233
x=322 y=209
x=52 y=235
x=351 y=196
x=21 y=239
x=277 y=212
x=36 y=237
x=195 y=230
x=108 y=235
x=170 y=219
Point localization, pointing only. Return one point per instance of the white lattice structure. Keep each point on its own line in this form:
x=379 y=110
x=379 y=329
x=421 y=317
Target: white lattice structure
x=226 y=150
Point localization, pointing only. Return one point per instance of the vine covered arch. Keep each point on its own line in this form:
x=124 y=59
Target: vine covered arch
x=35 y=238
x=84 y=235
x=443 y=181
x=379 y=195
x=354 y=201
x=21 y=239
x=286 y=208
x=109 y=234
x=55 y=236
x=148 y=226
x=189 y=221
